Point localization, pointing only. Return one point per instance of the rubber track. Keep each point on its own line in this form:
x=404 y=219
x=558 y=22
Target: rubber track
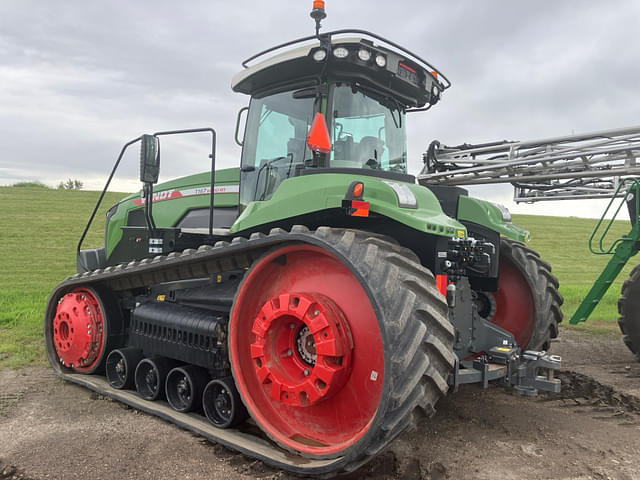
x=417 y=334
x=629 y=320
x=544 y=288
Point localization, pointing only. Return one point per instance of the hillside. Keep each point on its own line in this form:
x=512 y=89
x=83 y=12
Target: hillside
x=39 y=232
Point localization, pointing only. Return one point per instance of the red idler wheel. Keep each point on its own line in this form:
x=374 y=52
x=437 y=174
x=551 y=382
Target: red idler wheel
x=313 y=393
x=78 y=330
x=302 y=348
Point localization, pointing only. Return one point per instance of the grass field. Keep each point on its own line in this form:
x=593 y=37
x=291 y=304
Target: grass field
x=39 y=231
x=40 y=227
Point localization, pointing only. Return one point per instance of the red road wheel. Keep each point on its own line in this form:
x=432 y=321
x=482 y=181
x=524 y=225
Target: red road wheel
x=306 y=351
x=78 y=330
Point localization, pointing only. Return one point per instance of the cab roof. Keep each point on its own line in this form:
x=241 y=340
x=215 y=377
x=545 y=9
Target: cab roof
x=346 y=55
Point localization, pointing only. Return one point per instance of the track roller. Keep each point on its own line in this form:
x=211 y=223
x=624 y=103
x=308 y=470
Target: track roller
x=221 y=403
x=184 y=387
x=121 y=366
x=150 y=377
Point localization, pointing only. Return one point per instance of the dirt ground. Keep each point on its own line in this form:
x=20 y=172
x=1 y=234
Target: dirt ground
x=53 y=429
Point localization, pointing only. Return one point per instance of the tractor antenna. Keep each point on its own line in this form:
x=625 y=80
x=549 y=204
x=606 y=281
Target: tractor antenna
x=318 y=14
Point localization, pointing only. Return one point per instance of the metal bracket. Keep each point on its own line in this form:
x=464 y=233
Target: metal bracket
x=526 y=379
x=519 y=370
x=479 y=371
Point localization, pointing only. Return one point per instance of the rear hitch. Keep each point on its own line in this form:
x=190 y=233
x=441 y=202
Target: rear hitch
x=529 y=371
x=526 y=372
x=527 y=379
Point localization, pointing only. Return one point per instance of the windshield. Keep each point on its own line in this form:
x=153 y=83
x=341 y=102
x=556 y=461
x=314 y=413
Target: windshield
x=367 y=132
x=279 y=124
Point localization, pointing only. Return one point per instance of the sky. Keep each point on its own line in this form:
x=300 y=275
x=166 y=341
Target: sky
x=78 y=79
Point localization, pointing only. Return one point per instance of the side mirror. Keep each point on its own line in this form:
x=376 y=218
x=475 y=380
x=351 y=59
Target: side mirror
x=149 y=159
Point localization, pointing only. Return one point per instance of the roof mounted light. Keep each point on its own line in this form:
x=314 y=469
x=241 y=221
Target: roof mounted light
x=320 y=55
x=364 y=54
x=340 y=52
x=381 y=61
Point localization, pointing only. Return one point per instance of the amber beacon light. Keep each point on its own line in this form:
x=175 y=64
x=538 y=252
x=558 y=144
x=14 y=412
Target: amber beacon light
x=318 y=13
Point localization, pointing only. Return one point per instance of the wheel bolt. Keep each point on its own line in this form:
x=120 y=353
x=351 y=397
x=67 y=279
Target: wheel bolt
x=306 y=372
x=289 y=353
x=292 y=325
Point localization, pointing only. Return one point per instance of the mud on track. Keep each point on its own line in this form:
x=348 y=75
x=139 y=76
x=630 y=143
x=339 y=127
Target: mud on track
x=53 y=429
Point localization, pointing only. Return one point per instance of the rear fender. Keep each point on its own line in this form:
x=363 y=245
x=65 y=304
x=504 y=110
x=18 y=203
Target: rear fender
x=307 y=194
x=491 y=216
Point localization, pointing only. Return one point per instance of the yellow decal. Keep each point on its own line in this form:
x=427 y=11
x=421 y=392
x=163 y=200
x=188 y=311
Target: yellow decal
x=161 y=297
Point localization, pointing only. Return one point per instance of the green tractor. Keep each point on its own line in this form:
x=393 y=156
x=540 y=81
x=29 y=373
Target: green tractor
x=308 y=307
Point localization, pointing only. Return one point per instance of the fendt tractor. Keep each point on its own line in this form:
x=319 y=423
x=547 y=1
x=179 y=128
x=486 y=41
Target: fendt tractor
x=309 y=306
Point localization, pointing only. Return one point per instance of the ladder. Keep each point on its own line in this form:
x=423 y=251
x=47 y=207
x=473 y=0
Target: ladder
x=594 y=165
x=621 y=249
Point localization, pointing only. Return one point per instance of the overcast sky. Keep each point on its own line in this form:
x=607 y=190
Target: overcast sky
x=78 y=79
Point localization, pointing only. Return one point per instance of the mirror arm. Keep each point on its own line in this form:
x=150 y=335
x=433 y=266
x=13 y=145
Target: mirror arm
x=104 y=191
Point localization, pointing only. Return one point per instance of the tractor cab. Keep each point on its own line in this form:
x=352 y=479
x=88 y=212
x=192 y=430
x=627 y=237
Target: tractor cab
x=334 y=101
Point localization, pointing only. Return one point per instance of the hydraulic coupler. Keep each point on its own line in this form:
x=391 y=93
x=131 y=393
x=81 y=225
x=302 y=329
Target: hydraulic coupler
x=466 y=257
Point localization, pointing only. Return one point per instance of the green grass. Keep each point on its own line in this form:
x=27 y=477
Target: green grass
x=39 y=230
x=562 y=242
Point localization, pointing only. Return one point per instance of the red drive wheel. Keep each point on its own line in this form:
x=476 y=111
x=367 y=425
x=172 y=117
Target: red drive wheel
x=527 y=302
x=513 y=306
x=78 y=330
x=306 y=351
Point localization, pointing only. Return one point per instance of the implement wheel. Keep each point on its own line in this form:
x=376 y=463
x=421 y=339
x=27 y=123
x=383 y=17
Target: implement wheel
x=527 y=302
x=629 y=310
x=334 y=345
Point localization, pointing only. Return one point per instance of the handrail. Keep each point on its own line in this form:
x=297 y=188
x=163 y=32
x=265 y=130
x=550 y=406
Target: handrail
x=212 y=156
x=631 y=192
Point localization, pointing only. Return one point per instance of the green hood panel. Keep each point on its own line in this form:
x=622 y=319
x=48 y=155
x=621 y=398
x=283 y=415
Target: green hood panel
x=491 y=216
x=185 y=193
x=223 y=177
x=311 y=193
